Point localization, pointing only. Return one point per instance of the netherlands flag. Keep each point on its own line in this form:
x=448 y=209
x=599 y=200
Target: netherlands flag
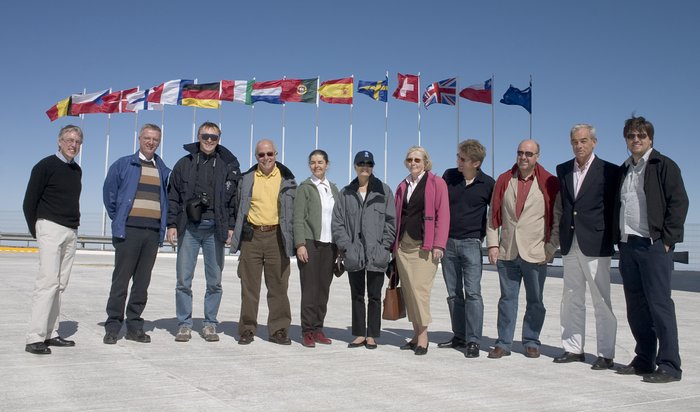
x=268 y=92
x=478 y=92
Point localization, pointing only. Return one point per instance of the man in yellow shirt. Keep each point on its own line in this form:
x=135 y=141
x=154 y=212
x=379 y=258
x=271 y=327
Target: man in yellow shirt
x=264 y=236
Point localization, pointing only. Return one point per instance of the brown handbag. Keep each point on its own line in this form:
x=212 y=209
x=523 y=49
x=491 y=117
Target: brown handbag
x=394 y=307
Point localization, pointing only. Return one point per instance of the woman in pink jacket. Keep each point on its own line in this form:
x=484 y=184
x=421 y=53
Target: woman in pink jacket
x=422 y=223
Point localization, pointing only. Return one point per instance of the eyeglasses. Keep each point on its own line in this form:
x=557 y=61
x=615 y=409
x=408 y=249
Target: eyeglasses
x=209 y=136
x=641 y=136
x=72 y=141
x=268 y=154
x=526 y=154
x=414 y=160
x=365 y=164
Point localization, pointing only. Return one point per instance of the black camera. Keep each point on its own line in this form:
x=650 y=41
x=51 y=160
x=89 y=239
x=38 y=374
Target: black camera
x=196 y=206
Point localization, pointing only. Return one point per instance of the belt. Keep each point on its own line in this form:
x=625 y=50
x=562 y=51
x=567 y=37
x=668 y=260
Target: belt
x=264 y=228
x=639 y=239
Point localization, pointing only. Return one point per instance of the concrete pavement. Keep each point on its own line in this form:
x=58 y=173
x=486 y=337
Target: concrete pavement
x=199 y=375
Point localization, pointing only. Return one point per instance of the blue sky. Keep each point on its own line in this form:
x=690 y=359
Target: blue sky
x=592 y=62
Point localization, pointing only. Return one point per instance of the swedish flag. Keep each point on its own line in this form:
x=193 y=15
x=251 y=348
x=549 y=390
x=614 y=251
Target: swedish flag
x=375 y=90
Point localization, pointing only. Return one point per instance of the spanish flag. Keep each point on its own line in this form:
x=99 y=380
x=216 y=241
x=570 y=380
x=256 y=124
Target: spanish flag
x=205 y=95
x=59 y=109
x=338 y=91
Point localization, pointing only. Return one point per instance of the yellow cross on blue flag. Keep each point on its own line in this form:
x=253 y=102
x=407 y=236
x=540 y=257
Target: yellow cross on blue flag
x=376 y=90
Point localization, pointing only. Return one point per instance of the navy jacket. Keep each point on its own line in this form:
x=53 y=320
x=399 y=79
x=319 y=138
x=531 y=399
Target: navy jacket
x=589 y=215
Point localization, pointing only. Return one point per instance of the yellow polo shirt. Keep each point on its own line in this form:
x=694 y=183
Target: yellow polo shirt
x=264 y=210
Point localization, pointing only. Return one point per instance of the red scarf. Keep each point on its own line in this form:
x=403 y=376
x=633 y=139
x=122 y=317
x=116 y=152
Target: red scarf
x=548 y=184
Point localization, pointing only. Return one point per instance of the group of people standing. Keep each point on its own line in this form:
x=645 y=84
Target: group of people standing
x=524 y=215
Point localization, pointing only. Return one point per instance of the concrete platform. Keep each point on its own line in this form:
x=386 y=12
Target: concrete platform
x=166 y=375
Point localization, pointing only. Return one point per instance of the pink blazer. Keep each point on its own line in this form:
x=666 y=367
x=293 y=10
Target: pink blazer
x=436 y=216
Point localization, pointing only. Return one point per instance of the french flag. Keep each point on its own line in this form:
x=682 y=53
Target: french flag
x=169 y=92
x=478 y=92
x=268 y=92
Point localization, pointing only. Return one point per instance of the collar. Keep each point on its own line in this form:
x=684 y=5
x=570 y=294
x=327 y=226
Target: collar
x=643 y=160
x=318 y=182
x=409 y=180
x=259 y=173
x=63 y=158
x=585 y=166
x=143 y=157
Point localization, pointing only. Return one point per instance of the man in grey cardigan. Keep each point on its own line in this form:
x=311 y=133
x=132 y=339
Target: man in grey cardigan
x=264 y=235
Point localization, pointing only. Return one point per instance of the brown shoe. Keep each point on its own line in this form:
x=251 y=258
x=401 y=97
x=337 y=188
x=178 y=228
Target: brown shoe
x=532 y=352
x=498 y=352
x=307 y=340
x=280 y=337
x=246 y=337
x=321 y=338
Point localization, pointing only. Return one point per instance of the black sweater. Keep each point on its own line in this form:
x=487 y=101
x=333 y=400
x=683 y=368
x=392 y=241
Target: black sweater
x=53 y=193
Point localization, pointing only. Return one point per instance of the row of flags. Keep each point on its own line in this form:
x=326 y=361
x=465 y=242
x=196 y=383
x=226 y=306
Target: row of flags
x=338 y=91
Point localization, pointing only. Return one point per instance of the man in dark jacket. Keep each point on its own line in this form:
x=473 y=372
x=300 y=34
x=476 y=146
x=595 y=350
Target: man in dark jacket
x=136 y=199
x=202 y=214
x=649 y=217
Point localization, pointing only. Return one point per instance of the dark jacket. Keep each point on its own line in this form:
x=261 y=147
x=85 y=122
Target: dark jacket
x=365 y=231
x=285 y=207
x=667 y=201
x=468 y=204
x=181 y=189
x=119 y=191
x=590 y=214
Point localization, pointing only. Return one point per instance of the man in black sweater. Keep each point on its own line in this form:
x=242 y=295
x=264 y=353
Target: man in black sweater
x=52 y=210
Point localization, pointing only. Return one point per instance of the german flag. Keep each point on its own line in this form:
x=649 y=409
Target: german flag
x=205 y=95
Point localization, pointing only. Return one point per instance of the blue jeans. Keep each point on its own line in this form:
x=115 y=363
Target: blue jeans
x=461 y=268
x=199 y=236
x=510 y=274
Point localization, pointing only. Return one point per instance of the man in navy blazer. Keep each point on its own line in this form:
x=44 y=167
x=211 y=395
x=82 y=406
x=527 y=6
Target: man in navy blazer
x=588 y=186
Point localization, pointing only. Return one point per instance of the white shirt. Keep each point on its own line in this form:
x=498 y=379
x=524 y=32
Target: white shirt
x=412 y=185
x=633 y=211
x=580 y=173
x=142 y=157
x=327 y=203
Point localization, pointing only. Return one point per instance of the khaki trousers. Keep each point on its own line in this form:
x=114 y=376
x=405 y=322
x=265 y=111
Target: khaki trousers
x=417 y=273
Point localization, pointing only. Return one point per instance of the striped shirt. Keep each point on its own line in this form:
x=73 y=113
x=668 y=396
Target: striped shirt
x=145 y=212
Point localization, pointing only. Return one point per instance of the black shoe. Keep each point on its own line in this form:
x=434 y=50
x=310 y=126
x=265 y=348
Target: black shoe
x=357 y=344
x=59 y=341
x=631 y=369
x=370 y=345
x=110 y=338
x=602 y=364
x=472 y=350
x=38 y=348
x=408 y=346
x=138 y=336
x=660 y=376
x=246 y=338
x=569 y=357
x=455 y=342
x=421 y=350
x=280 y=337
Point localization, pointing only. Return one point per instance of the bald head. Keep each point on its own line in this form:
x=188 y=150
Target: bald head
x=527 y=156
x=266 y=154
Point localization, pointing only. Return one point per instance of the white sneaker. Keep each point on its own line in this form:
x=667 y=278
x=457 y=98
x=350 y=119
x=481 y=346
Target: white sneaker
x=183 y=334
x=209 y=333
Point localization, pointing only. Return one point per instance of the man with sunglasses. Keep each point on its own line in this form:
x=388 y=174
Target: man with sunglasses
x=202 y=215
x=648 y=222
x=265 y=237
x=522 y=207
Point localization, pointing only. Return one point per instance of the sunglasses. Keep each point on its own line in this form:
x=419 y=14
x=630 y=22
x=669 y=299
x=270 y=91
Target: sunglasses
x=413 y=160
x=367 y=164
x=526 y=154
x=209 y=136
x=641 y=136
x=268 y=154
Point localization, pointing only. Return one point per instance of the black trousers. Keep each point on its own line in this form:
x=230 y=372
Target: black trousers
x=366 y=322
x=646 y=278
x=134 y=257
x=315 y=277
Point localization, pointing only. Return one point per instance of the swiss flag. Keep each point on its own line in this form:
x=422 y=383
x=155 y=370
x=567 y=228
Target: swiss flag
x=407 y=88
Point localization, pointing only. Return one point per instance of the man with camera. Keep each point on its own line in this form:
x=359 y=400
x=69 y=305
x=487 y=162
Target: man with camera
x=135 y=197
x=202 y=214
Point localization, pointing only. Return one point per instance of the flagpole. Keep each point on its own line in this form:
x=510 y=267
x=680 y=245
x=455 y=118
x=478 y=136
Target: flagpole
x=530 y=106
x=136 y=126
x=252 y=122
x=284 y=109
x=104 y=210
x=82 y=126
x=162 y=131
x=493 y=127
x=457 y=98
x=318 y=84
x=194 y=117
x=350 y=149
x=386 y=126
x=418 y=108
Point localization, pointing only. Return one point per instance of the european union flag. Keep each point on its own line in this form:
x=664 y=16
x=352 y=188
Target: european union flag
x=517 y=97
x=375 y=90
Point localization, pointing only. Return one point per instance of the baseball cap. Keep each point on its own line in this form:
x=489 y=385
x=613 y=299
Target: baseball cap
x=364 y=156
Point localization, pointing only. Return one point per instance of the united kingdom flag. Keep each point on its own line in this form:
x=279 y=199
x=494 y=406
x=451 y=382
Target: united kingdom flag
x=444 y=92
